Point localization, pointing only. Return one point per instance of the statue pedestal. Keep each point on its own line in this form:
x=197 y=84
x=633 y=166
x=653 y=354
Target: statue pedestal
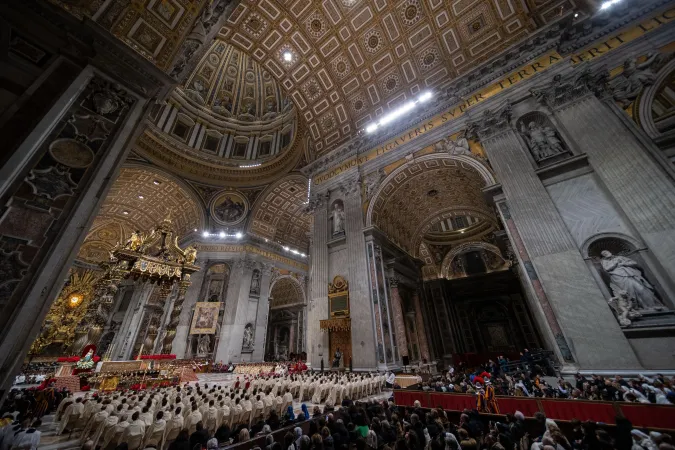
x=651 y=319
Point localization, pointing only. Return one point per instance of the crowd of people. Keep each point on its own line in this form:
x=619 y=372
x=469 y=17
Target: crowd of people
x=35 y=373
x=488 y=381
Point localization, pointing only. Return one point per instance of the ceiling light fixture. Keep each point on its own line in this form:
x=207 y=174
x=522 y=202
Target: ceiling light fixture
x=221 y=234
x=194 y=229
x=156 y=183
x=576 y=15
x=608 y=4
x=395 y=114
x=141 y=197
x=206 y=234
x=126 y=213
x=238 y=235
x=288 y=56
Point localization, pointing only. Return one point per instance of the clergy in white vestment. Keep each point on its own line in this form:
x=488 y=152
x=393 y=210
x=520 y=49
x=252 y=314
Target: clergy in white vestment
x=134 y=434
x=154 y=435
x=71 y=414
x=193 y=419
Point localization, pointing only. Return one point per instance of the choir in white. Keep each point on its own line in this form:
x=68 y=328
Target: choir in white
x=153 y=418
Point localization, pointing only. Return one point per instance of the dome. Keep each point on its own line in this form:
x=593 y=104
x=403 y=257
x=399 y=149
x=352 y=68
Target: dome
x=234 y=86
x=230 y=123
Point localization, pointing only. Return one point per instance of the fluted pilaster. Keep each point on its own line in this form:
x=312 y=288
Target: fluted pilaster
x=551 y=257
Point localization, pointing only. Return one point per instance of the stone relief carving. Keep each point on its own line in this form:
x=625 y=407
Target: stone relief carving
x=459 y=146
x=317 y=201
x=198 y=35
x=247 y=341
x=51 y=183
x=493 y=122
x=628 y=285
x=372 y=181
x=626 y=86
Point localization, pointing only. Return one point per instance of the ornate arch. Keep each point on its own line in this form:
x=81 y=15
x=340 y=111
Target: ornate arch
x=585 y=247
x=481 y=168
x=466 y=247
x=286 y=285
x=645 y=116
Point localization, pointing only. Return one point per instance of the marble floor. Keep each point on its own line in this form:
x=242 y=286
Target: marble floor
x=50 y=441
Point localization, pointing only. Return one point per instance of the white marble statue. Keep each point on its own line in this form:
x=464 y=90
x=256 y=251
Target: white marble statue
x=338 y=219
x=248 y=336
x=626 y=279
x=204 y=344
x=255 y=283
x=542 y=141
x=624 y=309
x=460 y=146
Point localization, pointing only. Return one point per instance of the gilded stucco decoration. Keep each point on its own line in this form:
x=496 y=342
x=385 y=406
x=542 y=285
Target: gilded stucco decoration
x=420 y=193
x=286 y=292
x=345 y=63
x=61 y=324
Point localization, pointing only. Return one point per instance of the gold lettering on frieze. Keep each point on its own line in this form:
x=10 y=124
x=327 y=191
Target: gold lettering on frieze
x=521 y=74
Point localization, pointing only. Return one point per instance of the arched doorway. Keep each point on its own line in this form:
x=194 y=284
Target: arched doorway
x=468 y=302
x=286 y=324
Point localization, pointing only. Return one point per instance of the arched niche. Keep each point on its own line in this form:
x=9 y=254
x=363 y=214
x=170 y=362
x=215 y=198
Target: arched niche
x=336 y=219
x=543 y=140
x=638 y=259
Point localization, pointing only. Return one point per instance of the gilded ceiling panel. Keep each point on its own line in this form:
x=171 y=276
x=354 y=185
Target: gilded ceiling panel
x=415 y=198
x=344 y=62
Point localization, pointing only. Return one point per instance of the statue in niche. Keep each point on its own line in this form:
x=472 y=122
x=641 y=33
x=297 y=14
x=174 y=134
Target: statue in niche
x=204 y=344
x=338 y=219
x=542 y=140
x=628 y=285
x=624 y=309
x=635 y=76
x=460 y=146
x=255 y=283
x=270 y=106
x=247 y=342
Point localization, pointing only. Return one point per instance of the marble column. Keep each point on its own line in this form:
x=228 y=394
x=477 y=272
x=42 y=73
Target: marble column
x=397 y=313
x=641 y=188
x=180 y=341
x=554 y=259
x=232 y=331
x=421 y=329
x=291 y=337
x=360 y=311
x=317 y=309
x=262 y=315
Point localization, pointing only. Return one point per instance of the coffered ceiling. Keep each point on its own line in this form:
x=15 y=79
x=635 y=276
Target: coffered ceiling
x=352 y=60
x=424 y=192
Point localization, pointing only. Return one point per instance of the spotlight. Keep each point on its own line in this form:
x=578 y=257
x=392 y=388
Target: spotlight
x=141 y=197
x=576 y=15
x=288 y=56
x=221 y=234
x=425 y=96
x=238 y=235
x=608 y=4
x=156 y=183
x=286 y=248
x=371 y=128
x=194 y=229
x=126 y=213
x=205 y=234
